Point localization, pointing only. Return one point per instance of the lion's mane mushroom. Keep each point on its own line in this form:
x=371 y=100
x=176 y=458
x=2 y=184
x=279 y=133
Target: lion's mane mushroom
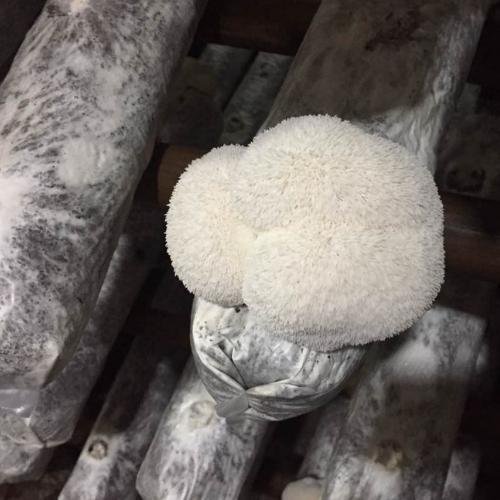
x=331 y=236
x=316 y=238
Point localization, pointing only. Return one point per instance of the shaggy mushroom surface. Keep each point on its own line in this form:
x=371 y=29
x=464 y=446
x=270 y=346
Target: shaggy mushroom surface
x=331 y=236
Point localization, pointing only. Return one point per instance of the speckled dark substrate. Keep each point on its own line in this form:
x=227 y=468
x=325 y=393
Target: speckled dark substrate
x=55 y=415
x=109 y=462
x=110 y=459
x=463 y=471
x=405 y=414
x=195 y=453
x=392 y=67
x=78 y=114
x=252 y=373
x=21 y=462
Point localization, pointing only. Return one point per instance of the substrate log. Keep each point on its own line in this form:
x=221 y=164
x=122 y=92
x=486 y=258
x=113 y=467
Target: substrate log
x=79 y=111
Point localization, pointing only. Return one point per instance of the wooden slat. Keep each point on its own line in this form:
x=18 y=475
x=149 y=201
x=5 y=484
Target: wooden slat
x=228 y=65
x=472 y=236
x=242 y=117
x=268 y=25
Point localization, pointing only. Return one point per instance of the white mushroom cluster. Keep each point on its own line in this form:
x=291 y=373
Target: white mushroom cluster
x=330 y=235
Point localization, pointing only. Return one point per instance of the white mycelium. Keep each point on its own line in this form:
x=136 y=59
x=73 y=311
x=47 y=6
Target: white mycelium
x=249 y=372
x=79 y=113
x=330 y=235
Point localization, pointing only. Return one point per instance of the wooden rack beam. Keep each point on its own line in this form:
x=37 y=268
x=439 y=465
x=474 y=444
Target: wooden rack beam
x=472 y=236
x=271 y=26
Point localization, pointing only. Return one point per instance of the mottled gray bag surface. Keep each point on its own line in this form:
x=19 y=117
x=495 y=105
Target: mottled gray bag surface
x=248 y=371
